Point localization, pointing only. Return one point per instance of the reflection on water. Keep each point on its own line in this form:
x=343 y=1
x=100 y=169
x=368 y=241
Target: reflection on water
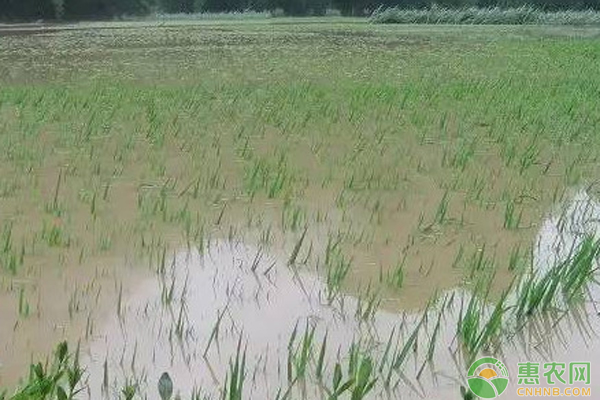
x=562 y=233
x=190 y=319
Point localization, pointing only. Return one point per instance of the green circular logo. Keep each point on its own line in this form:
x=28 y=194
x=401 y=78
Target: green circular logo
x=488 y=378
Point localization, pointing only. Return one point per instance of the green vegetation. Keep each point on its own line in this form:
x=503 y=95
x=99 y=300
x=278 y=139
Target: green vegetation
x=60 y=378
x=524 y=15
x=405 y=11
x=411 y=169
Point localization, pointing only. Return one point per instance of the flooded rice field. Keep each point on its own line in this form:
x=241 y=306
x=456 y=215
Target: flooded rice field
x=320 y=210
x=191 y=314
x=168 y=326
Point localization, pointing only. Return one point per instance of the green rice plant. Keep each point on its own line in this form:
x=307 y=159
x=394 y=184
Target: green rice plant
x=10 y=259
x=578 y=272
x=563 y=284
x=55 y=235
x=386 y=359
x=529 y=157
x=537 y=296
x=320 y=364
x=181 y=318
x=264 y=175
x=54 y=207
x=23 y=304
x=476 y=188
x=410 y=344
x=476 y=330
x=214 y=333
x=299 y=355
x=441 y=214
x=367 y=305
x=464 y=154
x=432 y=345
x=59 y=380
x=338 y=267
x=396 y=276
x=8 y=188
x=236 y=376
x=7 y=238
x=512 y=220
x=459 y=256
x=339 y=386
x=363 y=378
x=297 y=248
x=260 y=156
x=129 y=390
x=120 y=301
x=515 y=258
x=292 y=217
x=480 y=261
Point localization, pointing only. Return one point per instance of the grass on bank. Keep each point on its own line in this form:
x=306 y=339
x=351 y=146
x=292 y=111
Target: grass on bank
x=525 y=15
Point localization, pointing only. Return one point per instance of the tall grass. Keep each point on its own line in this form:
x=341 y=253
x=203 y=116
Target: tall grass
x=525 y=15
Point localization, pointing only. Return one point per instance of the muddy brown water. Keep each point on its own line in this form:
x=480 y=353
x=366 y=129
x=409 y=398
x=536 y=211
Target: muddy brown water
x=166 y=321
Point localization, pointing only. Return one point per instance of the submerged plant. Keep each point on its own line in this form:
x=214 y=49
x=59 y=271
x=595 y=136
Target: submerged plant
x=234 y=382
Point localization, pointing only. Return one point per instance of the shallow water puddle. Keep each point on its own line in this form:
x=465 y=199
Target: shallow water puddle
x=229 y=292
x=191 y=319
x=49 y=304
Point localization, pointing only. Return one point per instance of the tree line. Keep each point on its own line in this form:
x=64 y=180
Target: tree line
x=24 y=10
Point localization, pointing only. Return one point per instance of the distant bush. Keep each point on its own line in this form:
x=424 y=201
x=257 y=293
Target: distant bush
x=525 y=15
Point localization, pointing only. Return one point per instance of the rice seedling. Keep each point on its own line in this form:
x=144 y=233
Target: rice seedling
x=301 y=354
x=129 y=391
x=564 y=283
x=234 y=383
x=511 y=219
x=54 y=206
x=320 y=364
x=338 y=268
x=410 y=344
x=54 y=235
x=369 y=302
x=480 y=261
x=10 y=259
x=61 y=379
x=363 y=380
x=338 y=386
x=23 y=304
x=297 y=248
x=516 y=258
